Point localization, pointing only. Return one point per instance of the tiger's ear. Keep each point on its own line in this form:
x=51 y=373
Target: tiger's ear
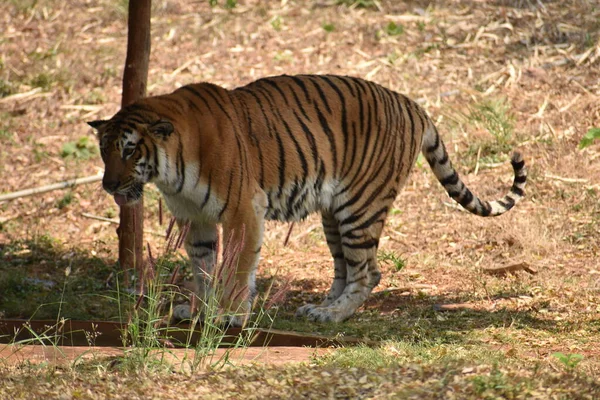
x=162 y=128
x=98 y=124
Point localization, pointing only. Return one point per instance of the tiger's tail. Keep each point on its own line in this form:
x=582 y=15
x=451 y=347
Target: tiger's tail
x=436 y=155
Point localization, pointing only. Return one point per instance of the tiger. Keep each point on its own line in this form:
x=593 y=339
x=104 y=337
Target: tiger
x=281 y=148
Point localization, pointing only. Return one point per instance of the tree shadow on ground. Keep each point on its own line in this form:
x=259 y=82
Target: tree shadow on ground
x=40 y=279
x=413 y=316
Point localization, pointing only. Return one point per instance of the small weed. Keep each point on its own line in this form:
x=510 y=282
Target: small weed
x=110 y=212
x=358 y=3
x=230 y=4
x=284 y=56
x=6 y=88
x=421 y=26
x=6 y=136
x=487 y=386
x=390 y=257
x=589 y=138
x=589 y=41
x=424 y=50
x=39 y=153
x=43 y=81
x=569 y=361
x=24 y=5
x=328 y=27
x=359 y=357
x=81 y=149
x=394 y=29
x=96 y=96
x=393 y=57
x=65 y=200
x=44 y=54
x=277 y=23
x=495 y=116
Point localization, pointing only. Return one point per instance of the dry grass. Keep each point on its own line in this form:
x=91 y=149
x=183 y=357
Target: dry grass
x=61 y=65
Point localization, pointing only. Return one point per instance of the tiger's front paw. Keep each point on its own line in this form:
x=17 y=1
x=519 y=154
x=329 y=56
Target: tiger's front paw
x=305 y=309
x=182 y=312
x=317 y=313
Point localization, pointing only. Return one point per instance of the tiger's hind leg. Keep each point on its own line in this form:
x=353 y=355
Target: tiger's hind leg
x=359 y=249
x=334 y=241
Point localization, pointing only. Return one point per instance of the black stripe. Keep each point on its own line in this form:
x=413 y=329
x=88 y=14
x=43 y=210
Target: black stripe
x=281 y=165
x=309 y=137
x=503 y=204
x=454 y=194
x=444 y=158
x=486 y=209
x=155 y=150
x=353 y=263
x=509 y=201
x=518 y=191
x=344 y=114
x=359 y=193
x=361 y=268
x=413 y=144
x=435 y=145
x=518 y=165
x=374 y=218
x=207 y=195
x=330 y=136
x=367 y=156
x=362 y=245
x=276 y=87
x=228 y=195
x=466 y=198
x=346 y=81
x=180 y=168
x=300 y=106
x=213 y=88
x=450 y=180
x=302 y=86
x=321 y=94
x=520 y=179
x=351 y=235
x=209 y=244
x=197 y=94
x=171 y=104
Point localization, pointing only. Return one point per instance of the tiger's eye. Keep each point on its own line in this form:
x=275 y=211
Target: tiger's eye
x=128 y=152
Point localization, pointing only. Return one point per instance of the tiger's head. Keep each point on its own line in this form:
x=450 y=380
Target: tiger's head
x=129 y=150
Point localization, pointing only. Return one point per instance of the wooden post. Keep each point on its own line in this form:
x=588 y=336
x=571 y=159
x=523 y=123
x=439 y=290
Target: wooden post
x=135 y=76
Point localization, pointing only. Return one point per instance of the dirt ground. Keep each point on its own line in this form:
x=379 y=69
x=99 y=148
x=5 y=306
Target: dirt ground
x=17 y=355
x=61 y=65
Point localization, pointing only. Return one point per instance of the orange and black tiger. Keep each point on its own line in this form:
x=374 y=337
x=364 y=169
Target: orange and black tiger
x=281 y=148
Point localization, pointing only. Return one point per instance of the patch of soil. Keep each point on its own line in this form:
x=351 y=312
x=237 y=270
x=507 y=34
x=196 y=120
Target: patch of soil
x=72 y=355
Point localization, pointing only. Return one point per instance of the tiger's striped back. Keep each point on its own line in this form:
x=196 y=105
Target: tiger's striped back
x=331 y=136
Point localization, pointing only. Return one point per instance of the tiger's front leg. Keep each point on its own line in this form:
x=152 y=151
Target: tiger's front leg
x=200 y=245
x=238 y=283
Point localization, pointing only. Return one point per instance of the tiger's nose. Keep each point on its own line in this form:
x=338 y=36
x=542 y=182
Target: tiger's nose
x=110 y=186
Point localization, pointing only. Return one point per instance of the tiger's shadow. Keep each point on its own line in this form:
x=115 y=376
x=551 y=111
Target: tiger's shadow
x=404 y=314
